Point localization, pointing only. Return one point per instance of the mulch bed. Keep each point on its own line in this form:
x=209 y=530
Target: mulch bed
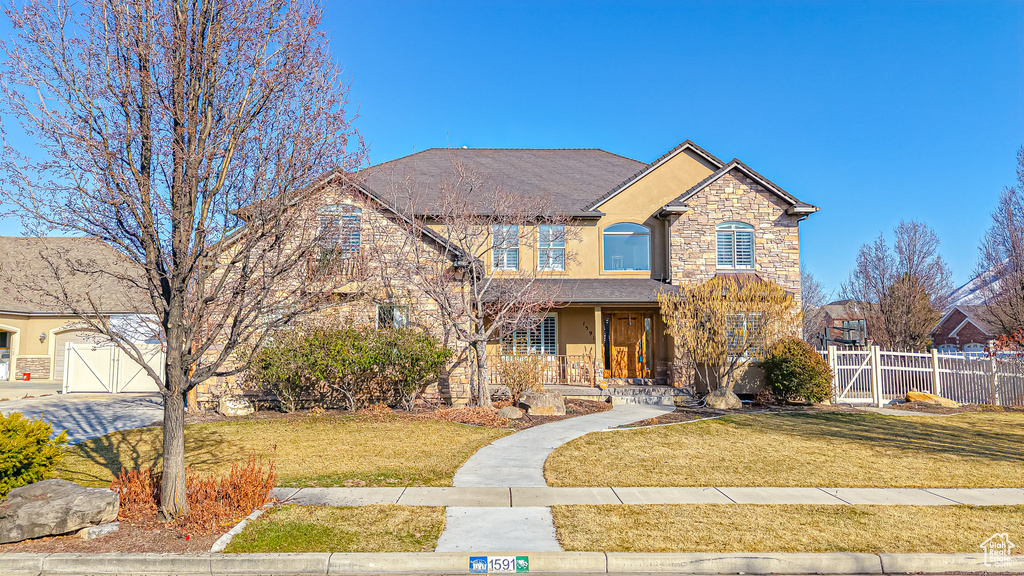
x=135 y=537
x=928 y=408
x=463 y=415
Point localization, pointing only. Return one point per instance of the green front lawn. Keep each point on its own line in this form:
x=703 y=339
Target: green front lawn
x=308 y=450
x=722 y=528
x=379 y=528
x=826 y=449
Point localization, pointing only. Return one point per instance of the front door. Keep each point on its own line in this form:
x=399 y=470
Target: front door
x=630 y=345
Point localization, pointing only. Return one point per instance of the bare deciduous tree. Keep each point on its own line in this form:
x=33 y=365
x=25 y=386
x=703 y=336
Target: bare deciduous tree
x=904 y=287
x=724 y=324
x=812 y=298
x=1001 y=264
x=157 y=121
x=469 y=236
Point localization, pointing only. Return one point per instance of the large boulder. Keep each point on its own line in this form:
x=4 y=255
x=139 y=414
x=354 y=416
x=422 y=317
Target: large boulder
x=54 y=507
x=542 y=403
x=723 y=399
x=927 y=398
x=234 y=406
x=510 y=413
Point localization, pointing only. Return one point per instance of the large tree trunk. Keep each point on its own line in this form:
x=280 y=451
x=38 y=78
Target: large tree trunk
x=482 y=391
x=172 y=485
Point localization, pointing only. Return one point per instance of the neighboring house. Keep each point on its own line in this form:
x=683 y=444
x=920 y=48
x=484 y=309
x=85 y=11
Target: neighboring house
x=843 y=323
x=965 y=328
x=34 y=326
x=641 y=229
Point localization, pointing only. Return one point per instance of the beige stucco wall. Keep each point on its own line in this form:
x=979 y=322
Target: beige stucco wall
x=26 y=349
x=636 y=204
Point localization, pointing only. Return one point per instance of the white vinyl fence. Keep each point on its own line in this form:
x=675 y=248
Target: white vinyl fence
x=875 y=376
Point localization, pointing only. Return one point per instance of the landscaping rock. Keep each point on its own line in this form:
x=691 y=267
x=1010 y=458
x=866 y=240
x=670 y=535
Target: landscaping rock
x=54 y=507
x=542 y=403
x=723 y=399
x=510 y=412
x=234 y=406
x=97 y=531
x=500 y=392
x=930 y=399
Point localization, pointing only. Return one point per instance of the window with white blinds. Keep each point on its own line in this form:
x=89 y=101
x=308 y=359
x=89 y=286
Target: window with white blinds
x=541 y=339
x=339 y=235
x=735 y=245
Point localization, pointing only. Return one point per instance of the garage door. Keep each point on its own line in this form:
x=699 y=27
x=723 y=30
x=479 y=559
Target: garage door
x=59 y=342
x=89 y=368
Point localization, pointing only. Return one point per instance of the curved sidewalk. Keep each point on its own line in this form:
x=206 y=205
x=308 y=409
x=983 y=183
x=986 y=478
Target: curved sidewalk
x=518 y=460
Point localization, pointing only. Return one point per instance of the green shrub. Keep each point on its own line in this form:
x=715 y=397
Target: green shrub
x=350 y=367
x=520 y=373
x=794 y=370
x=27 y=454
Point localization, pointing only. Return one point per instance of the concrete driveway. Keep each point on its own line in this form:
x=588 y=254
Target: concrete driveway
x=86 y=416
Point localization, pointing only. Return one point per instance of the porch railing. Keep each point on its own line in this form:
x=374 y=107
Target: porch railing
x=572 y=369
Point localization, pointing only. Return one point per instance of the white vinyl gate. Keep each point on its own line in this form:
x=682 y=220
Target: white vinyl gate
x=876 y=376
x=106 y=368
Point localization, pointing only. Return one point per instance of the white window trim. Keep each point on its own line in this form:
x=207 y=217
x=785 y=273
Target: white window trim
x=605 y=232
x=541 y=248
x=502 y=263
x=732 y=228
x=555 y=353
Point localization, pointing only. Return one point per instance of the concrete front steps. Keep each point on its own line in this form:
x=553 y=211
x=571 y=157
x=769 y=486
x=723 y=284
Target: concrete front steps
x=649 y=394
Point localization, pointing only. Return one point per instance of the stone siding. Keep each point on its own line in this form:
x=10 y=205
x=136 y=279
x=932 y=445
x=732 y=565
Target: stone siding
x=38 y=366
x=382 y=279
x=736 y=198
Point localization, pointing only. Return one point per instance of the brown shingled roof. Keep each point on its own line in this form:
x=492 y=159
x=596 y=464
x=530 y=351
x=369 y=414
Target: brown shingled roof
x=569 y=179
x=85 y=266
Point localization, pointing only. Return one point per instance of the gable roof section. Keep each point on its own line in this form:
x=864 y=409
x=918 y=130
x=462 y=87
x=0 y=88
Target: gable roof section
x=88 y=268
x=977 y=314
x=687 y=145
x=568 y=179
x=795 y=205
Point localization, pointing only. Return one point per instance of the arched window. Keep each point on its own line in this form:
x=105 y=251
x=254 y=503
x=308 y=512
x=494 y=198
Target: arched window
x=735 y=245
x=627 y=247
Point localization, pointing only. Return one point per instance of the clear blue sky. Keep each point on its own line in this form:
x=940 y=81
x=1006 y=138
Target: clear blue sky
x=874 y=111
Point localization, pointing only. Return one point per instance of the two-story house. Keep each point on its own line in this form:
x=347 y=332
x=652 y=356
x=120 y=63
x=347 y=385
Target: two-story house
x=637 y=229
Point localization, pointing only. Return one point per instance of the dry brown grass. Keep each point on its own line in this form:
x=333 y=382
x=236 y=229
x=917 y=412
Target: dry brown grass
x=308 y=451
x=782 y=528
x=827 y=449
x=376 y=528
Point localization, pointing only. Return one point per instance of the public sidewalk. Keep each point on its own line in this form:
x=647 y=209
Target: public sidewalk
x=532 y=497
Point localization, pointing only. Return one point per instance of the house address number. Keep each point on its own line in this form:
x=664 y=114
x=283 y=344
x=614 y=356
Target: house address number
x=499 y=564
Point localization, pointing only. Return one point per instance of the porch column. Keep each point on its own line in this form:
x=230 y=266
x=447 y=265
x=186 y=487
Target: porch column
x=598 y=343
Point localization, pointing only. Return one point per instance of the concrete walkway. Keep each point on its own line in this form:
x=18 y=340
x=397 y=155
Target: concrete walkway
x=516 y=462
x=518 y=459
x=533 y=497
x=86 y=416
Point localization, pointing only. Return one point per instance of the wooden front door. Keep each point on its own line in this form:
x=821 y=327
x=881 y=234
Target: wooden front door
x=630 y=345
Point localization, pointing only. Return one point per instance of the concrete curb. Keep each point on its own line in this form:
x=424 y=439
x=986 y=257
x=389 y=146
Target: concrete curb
x=224 y=540
x=357 y=564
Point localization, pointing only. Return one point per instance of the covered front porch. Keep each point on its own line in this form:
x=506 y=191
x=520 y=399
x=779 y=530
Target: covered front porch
x=585 y=345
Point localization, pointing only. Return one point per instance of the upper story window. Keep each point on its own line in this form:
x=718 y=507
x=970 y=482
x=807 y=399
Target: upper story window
x=627 y=247
x=505 y=247
x=551 y=247
x=735 y=245
x=340 y=232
